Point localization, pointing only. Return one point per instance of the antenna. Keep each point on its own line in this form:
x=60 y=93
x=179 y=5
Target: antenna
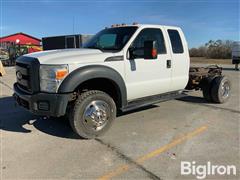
x=73 y=25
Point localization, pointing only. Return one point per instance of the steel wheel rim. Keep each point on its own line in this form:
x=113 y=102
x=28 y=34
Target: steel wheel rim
x=96 y=115
x=225 y=89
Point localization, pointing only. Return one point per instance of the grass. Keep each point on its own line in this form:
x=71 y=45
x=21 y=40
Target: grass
x=203 y=60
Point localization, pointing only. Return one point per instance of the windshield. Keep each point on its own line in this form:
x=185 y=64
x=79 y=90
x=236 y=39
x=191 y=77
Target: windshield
x=111 y=39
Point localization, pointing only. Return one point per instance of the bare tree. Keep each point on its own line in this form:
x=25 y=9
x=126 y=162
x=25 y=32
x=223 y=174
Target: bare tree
x=218 y=49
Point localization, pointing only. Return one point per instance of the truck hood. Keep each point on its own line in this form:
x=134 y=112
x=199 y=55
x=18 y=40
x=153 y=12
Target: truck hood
x=70 y=56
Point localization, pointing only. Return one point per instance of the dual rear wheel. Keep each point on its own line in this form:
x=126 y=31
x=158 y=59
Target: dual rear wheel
x=216 y=89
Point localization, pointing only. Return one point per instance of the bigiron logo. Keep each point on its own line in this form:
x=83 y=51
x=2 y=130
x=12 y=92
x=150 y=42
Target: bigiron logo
x=202 y=171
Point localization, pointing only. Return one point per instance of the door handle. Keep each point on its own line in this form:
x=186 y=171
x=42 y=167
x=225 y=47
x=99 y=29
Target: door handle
x=169 y=63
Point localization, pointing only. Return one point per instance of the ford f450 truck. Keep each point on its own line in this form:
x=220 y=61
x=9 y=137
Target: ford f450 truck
x=120 y=69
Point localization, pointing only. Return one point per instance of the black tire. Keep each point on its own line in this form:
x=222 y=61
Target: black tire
x=84 y=125
x=221 y=87
x=206 y=88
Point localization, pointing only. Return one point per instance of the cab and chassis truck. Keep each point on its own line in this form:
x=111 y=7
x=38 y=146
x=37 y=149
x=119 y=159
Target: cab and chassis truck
x=121 y=68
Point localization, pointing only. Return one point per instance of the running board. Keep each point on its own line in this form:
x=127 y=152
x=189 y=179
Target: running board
x=146 y=101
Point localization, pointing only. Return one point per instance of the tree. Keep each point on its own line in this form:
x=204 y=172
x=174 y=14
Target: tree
x=218 y=49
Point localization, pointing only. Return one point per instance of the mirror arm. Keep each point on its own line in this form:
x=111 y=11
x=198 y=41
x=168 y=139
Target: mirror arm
x=131 y=54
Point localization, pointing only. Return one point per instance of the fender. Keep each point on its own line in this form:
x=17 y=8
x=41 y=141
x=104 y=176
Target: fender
x=80 y=75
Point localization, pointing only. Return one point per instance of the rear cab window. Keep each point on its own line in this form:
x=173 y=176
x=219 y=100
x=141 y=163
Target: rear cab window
x=176 y=42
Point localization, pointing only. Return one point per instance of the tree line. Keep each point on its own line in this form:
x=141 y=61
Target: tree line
x=218 y=49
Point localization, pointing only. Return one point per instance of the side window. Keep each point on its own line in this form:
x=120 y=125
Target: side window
x=176 y=42
x=149 y=34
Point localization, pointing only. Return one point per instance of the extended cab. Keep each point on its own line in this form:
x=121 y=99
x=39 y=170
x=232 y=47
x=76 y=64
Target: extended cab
x=121 y=68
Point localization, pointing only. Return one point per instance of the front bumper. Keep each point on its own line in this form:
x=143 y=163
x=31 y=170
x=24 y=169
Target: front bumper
x=44 y=104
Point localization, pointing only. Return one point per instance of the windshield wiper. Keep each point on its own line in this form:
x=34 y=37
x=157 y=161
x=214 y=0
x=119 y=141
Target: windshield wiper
x=102 y=49
x=94 y=47
x=111 y=48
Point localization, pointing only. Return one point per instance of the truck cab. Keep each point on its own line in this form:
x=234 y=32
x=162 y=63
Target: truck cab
x=121 y=68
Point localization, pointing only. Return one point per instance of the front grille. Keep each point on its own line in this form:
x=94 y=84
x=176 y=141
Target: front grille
x=27 y=69
x=23 y=76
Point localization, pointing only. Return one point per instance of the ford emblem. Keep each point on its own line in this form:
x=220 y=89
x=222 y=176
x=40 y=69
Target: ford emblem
x=19 y=75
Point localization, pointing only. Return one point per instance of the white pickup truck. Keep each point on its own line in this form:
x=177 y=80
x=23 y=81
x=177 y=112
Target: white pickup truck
x=121 y=68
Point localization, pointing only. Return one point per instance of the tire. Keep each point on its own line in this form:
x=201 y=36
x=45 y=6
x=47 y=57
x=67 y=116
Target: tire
x=92 y=114
x=206 y=88
x=221 y=89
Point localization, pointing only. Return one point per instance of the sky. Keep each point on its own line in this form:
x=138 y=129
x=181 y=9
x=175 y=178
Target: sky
x=201 y=20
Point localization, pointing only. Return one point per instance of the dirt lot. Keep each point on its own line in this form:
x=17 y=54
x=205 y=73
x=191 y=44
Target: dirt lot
x=145 y=144
x=210 y=61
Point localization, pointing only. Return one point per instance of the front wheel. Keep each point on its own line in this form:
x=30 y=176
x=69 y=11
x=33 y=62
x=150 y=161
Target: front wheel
x=93 y=113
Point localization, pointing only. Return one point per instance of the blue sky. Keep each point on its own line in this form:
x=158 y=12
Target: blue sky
x=201 y=20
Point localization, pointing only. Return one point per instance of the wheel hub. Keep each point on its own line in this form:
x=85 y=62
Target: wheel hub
x=96 y=115
x=225 y=89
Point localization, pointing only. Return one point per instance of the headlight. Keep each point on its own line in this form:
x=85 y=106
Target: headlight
x=51 y=76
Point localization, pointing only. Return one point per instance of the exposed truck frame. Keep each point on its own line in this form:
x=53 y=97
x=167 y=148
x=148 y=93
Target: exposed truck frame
x=215 y=87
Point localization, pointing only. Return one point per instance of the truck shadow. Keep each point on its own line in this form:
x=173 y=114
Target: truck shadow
x=10 y=115
x=230 y=69
x=137 y=110
x=16 y=119
x=193 y=99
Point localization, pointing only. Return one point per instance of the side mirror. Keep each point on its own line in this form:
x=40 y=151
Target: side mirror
x=150 y=50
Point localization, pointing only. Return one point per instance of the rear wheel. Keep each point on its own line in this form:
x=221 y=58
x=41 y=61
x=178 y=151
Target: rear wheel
x=93 y=113
x=206 y=88
x=220 y=89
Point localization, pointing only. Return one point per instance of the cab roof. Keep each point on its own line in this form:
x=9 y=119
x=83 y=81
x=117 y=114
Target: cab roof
x=144 y=26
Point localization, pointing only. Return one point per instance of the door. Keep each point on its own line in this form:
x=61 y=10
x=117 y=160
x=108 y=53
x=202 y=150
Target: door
x=146 y=77
x=180 y=59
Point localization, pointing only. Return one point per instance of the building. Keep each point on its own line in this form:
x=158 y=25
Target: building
x=32 y=44
x=15 y=45
x=21 y=39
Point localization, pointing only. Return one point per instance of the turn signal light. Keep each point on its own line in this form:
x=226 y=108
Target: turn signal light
x=61 y=73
